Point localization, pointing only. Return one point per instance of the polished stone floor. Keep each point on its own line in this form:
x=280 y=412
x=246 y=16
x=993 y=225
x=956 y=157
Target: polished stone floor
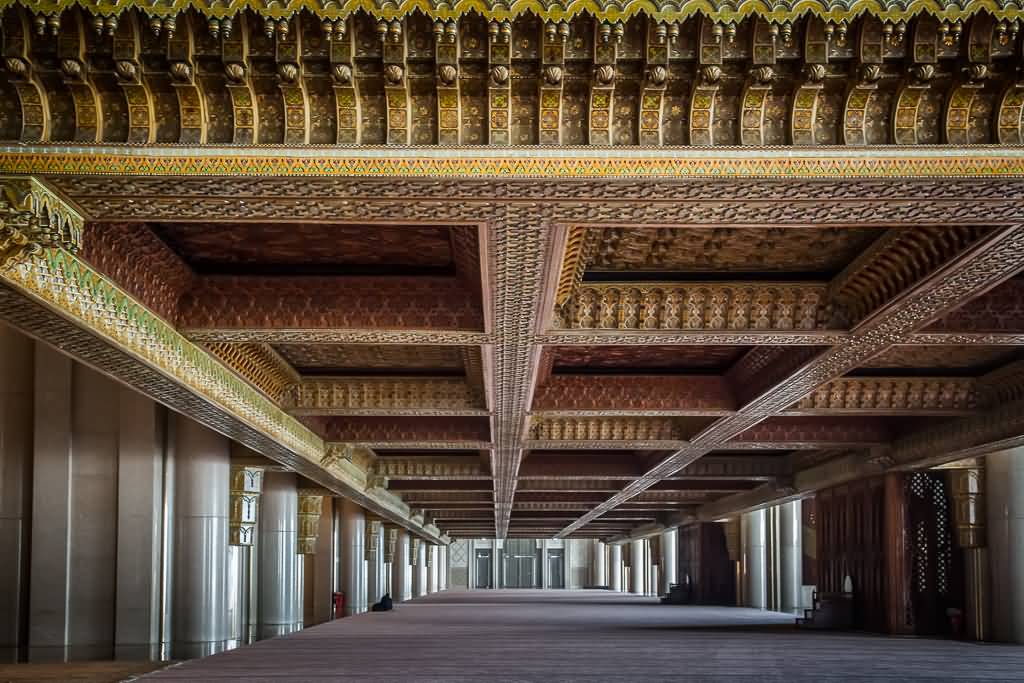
x=522 y=635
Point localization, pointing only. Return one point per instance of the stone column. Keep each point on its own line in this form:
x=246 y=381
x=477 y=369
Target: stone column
x=400 y=578
x=280 y=599
x=669 y=575
x=320 y=576
x=353 y=557
x=374 y=553
x=442 y=568
x=51 y=506
x=597 y=563
x=790 y=555
x=1005 y=492
x=615 y=566
x=545 y=580
x=754 y=559
x=637 y=567
x=140 y=529
x=421 y=569
x=17 y=362
x=202 y=480
x=431 y=569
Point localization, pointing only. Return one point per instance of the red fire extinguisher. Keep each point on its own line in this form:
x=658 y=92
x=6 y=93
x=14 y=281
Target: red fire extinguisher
x=339 y=604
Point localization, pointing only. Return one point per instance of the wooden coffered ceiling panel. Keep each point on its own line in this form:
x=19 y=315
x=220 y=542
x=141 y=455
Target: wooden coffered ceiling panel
x=546 y=370
x=742 y=251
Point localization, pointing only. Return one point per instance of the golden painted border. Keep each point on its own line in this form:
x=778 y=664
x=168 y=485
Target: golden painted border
x=888 y=162
x=547 y=10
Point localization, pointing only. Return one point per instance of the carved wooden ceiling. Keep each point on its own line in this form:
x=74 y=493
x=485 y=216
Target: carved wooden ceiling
x=481 y=73
x=629 y=425
x=374 y=242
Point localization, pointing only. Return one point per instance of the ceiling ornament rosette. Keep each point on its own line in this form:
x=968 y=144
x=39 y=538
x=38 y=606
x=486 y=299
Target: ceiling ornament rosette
x=549 y=10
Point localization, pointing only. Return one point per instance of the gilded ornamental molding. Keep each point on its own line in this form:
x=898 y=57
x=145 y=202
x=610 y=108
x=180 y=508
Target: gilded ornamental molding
x=32 y=219
x=610 y=11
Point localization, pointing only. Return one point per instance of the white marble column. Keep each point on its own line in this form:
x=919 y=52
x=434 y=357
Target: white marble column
x=17 y=362
x=400 y=575
x=442 y=568
x=636 y=567
x=140 y=533
x=353 y=557
x=791 y=555
x=1004 y=483
x=375 y=571
x=615 y=565
x=420 y=583
x=431 y=569
x=597 y=563
x=202 y=479
x=280 y=565
x=753 y=539
x=669 y=553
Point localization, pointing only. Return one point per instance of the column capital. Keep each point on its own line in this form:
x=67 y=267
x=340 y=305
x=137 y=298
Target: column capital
x=246 y=486
x=32 y=218
x=311 y=502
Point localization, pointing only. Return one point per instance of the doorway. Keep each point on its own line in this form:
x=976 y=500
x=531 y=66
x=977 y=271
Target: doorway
x=520 y=563
x=483 y=565
x=556 y=568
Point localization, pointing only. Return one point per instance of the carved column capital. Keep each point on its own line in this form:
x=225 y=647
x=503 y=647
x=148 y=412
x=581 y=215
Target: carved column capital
x=311 y=502
x=246 y=486
x=33 y=219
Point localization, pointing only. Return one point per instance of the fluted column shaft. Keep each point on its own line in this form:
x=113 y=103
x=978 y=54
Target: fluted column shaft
x=353 y=557
x=420 y=571
x=636 y=567
x=615 y=565
x=669 y=555
x=400 y=568
x=280 y=569
x=202 y=481
x=753 y=534
x=791 y=555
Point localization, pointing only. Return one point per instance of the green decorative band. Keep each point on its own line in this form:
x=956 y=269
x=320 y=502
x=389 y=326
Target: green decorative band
x=70 y=286
x=550 y=10
x=890 y=162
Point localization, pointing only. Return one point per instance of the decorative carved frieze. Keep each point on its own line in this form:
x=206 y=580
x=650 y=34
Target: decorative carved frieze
x=430 y=468
x=384 y=396
x=260 y=365
x=310 y=507
x=699 y=306
x=32 y=220
x=246 y=486
x=886 y=395
x=605 y=429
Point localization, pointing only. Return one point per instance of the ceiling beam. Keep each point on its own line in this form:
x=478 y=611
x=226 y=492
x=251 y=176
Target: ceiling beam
x=989 y=260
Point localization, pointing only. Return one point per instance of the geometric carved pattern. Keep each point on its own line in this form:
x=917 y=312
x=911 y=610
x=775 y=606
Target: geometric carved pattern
x=877 y=394
x=260 y=365
x=384 y=395
x=692 y=306
x=605 y=429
